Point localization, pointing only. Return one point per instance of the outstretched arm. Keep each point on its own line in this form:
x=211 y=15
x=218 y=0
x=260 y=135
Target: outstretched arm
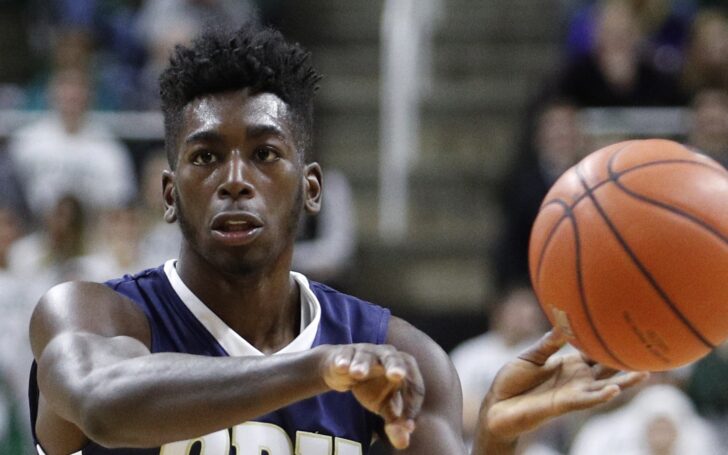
x=99 y=381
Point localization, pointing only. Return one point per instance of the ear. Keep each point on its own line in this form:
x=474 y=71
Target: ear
x=170 y=212
x=313 y=180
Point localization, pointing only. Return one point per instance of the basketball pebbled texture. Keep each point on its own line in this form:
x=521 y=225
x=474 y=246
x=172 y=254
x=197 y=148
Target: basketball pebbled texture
x=629 y=255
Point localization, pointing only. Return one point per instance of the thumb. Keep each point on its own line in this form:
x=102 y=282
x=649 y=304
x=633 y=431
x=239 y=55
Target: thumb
x=545 y=347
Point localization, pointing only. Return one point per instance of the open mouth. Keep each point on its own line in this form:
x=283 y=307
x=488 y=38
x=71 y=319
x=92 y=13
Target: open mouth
x=236 y=228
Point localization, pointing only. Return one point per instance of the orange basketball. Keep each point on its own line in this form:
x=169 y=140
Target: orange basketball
x=629 y=255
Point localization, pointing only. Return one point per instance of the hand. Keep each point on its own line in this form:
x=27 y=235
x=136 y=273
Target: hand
x=538 y=386
x=384 y=380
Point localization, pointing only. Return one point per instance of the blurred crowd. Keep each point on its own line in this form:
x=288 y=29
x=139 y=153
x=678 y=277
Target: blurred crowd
x=616 y=54
x=76 y=203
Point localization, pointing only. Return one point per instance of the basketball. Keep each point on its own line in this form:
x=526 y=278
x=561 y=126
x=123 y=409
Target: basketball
x=629 y=255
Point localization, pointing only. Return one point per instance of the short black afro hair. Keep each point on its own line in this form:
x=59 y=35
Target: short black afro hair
x=259 y=59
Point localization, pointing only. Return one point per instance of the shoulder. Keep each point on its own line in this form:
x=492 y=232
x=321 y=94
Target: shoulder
x=78 y=306
x=149 y=275
x=329 y=295
x=432 y=359
x=442 y=407
x=337 y=300
x=365 y=321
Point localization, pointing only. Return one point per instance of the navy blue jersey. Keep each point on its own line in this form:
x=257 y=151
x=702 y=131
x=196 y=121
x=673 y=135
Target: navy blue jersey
x=331 y=423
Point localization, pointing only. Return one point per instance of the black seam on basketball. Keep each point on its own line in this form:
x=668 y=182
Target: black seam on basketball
x=582 y=294
x=641 y=267
x=722 y=172
x=614 y=176
x=632 y=169
x=567 y=214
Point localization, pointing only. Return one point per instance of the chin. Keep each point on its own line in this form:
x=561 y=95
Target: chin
x=243 y=263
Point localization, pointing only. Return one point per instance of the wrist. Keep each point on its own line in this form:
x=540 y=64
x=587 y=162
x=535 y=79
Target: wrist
x=321 y=357
x=488 y=438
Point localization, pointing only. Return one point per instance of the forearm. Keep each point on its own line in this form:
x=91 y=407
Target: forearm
x=158 y=398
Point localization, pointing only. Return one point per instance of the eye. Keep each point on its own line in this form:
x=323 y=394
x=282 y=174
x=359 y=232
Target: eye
x=266 y=154
x=203 y=157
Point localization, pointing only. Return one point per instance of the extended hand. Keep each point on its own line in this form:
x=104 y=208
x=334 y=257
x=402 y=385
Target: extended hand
x=384 y=380
x=536 y=387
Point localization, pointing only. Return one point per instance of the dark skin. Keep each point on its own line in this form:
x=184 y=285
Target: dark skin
x=239 y=185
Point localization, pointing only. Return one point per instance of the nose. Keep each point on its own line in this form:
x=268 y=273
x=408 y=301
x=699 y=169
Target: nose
x=235 y=184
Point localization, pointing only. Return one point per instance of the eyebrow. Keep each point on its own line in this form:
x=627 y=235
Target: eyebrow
x=254 y=131
x=203 y=136
x=266 y=129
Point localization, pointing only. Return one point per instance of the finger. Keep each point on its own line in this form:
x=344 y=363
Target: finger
x=361 y=364
x=342 y=359
x=600 y=371
x=588 y=360
x=544 y=348
x=399 y=432
x=590 y=398
x=622 y=381
x=396 y=404
x=413 y=389
x=395 y=366
x=534 y=366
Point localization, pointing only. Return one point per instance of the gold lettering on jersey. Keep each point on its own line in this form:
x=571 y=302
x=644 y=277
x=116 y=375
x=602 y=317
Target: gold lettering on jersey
x=258 y=438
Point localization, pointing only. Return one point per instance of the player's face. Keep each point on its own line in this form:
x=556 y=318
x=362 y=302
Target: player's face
x=240 y=184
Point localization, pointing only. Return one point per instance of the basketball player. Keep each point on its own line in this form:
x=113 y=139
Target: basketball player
x=225 y=346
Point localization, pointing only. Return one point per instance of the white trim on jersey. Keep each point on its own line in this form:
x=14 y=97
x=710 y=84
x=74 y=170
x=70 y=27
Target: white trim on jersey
x=39 y=449
x=234 y=344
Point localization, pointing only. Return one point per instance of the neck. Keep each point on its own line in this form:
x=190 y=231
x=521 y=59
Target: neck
x=272 y=296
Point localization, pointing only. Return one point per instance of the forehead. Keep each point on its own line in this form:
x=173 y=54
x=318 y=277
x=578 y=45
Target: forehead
x=238 y=110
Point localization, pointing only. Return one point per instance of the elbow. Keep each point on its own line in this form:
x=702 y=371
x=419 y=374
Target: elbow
x=98 y=423
x=104 y=420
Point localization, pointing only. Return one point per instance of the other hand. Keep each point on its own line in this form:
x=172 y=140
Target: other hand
x=384 y=380
x=538 y=386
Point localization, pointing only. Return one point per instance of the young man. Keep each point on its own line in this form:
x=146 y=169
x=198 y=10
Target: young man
x=178 y=359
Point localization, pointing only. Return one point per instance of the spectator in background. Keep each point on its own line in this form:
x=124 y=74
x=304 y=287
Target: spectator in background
x=107 y=28
x=220 y=14
x=72 y=49
x=119 y=246
x=136 y=237
x=68 y=152
x=10 y=231
x=517 y=321
x=555 y=144
x=15 y=308
x=57 y=251
x=161 y=24
x=659 y=420
x=706 y=386
x=617 y=72
x=665 y=24
x=326 y=244
x=159 y=240
x=11 y=189
x=706 y=59
x=709 y=131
